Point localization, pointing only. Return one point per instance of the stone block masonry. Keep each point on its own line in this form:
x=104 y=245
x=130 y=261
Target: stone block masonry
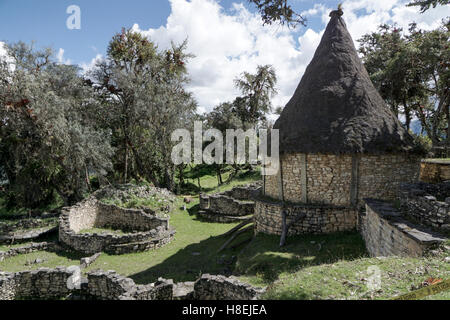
x=317 y=219
x=429 y=204
x=435 y=171
x=45 y=284
x=229 y=206
x=387 y=233
x=329 y=178
x=32 y=247
x=145 y=230
x=210 y=287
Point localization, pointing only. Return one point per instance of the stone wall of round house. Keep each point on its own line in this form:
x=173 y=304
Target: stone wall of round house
x=340 y=180
x=145 y=230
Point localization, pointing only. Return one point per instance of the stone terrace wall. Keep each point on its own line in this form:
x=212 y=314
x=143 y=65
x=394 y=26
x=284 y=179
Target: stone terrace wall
x=40 y=284
x=386 y=233
x=434 y=171
x=114 y=217
x=226 y=205
x=328 y=177
x=318 y=219
x=380 y=176
x=45 y=284
x=420 y=201
x=210 y=287
x=32 y=247
x=237 y=202
x=151 y=231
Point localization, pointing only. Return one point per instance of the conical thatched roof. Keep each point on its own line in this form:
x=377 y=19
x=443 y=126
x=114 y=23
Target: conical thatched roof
x=336 y=109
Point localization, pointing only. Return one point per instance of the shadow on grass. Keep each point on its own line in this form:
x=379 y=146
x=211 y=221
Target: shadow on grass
x=265 y=260
x=261 y=258
x=195 y=259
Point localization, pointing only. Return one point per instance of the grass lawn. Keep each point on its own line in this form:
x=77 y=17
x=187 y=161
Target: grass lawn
x=192 y=252
x=309 y=267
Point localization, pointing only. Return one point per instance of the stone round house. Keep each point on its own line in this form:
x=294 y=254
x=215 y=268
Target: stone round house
x=339 y=144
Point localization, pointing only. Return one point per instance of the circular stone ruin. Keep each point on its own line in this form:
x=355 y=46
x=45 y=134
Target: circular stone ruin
x=140 y=230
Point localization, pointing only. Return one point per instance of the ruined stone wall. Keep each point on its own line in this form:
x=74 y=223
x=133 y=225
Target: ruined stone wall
x=317 y=219
x=428 y=204
x=81 y=216
x=45 y=284
x=210 y=287
x=114 y=217
x=226 y=206
x=329 y=177
x=32 y=247
x=386 y=233
x=151 y=231
x=39 y=284
x=435 y=171
x=381 y=176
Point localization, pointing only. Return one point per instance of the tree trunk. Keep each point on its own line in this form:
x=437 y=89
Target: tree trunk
x=407 y=116
x=126 y=163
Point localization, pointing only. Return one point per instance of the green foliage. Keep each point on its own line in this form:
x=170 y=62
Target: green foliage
x=278 y=11
x=47 y=139
x=411 y=72
x=257 y=90
x=144 y=101
x=427 y=4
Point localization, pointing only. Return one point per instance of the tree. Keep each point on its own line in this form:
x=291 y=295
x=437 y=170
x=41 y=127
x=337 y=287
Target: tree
x=278 y=11
x=222 y=117
x=426 y=4
x=257 y=90
x=48 y=141
x=143 y=88
x=411 y=72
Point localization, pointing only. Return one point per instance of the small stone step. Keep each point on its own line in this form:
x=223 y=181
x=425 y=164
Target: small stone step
x=216 y=217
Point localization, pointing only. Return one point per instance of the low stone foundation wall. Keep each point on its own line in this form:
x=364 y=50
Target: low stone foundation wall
x=32 y=247
x=210 y=287
x=58 y=283
x=230 y=205
x=387 y=233
x=434 y=171
x=147 y=230
x=27 y=229
x=42 y=284
x=317 y=219
x=426 y=203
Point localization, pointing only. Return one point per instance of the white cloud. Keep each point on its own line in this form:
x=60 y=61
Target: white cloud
x=86 y=67
x=226 y=44
x=60 y=57
x=5 y=57
x=2 y=49
x=364 y=16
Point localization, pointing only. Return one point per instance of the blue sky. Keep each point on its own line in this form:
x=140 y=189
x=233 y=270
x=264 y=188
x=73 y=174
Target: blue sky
x=226 y=37
x=45 y=22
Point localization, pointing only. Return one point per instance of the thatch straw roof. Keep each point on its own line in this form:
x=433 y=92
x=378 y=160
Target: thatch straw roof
x=336 y=109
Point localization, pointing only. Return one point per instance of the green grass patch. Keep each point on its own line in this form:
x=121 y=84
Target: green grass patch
x=349 y=279
x=263 y=261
